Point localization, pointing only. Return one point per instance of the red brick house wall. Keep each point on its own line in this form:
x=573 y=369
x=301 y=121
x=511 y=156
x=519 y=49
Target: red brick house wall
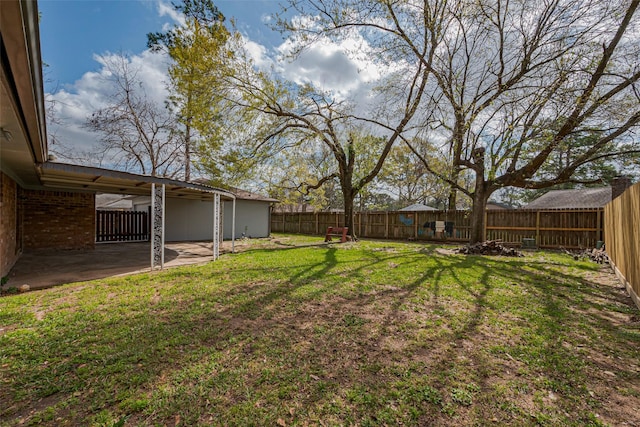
x=58 y=219
x=9 y=251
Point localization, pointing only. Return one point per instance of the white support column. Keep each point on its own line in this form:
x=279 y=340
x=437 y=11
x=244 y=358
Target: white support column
x=233 y=227
x=153 y=224
x=221 y=240
x=157 y=226
x=216 y=226
x=164 y=210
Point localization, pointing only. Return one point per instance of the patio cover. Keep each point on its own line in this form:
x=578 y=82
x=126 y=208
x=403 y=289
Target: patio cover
x=85 y=178
x=62 y=176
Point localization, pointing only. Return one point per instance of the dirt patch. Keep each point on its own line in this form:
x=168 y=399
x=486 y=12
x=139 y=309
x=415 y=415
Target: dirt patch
x=22 y=417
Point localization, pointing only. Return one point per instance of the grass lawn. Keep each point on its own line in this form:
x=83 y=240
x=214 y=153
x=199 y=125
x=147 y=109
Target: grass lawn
x=292 y=331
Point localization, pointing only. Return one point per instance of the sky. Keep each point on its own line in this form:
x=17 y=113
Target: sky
x=78 y=37
x=73 y=31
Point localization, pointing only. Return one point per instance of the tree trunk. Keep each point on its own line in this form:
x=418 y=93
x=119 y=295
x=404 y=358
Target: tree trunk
x=348 y=213
x=480 y=197
x=451 y=201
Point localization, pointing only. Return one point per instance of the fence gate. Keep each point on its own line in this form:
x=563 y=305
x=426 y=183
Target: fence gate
x=120 y=226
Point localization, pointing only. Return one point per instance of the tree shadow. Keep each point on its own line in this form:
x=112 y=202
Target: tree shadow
x=178 y=338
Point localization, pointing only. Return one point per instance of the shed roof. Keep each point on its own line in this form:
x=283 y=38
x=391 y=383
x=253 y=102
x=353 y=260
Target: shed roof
x=242 y=194
x=492 y=205
x=248 y=195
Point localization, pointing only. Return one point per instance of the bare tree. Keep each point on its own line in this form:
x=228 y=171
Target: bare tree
x=276 y=114
x=512 y=81
x=406 y=177
x=284 y=116
x=136 y=133
x=520 y=82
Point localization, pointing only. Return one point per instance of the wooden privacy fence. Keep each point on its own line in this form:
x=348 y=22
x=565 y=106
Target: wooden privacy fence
x=622 y=238
x=567 y=228
x=120 y=226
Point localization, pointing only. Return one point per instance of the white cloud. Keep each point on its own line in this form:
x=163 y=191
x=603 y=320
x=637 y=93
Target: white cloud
x=346 y=68
x=349 y=66
x=326 y=67
x=258 y=53
x=75 y=102
x=266 y=18
x=167 y=9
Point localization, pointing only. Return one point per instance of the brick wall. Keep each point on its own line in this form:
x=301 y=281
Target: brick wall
x=58 y=219
x=8 y=202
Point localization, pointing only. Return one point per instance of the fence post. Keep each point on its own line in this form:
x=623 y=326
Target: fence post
x=486 y=224
x=299 y=222
x=317 y=229
x=415 y=225
x=367 y=226
x=386 y=225
x=599 y=225
x=538 y=242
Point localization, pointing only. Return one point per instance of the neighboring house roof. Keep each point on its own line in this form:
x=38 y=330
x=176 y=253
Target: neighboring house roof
x=497 y=206
x=572 y=199
x=418 y=207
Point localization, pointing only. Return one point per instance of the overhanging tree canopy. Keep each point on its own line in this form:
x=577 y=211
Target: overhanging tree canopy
x=512 y=81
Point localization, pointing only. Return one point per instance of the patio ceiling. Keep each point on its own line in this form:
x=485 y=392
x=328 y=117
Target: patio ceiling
x=22 y=124
x=62 y=176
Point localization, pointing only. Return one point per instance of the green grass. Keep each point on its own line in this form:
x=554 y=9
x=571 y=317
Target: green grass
x=296 y=332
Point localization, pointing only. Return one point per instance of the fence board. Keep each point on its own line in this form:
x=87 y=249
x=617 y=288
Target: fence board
x=622 y=238
x=122 y=226
x=569 y=228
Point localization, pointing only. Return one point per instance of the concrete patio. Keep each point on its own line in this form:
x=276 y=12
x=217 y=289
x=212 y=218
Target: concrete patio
x=44 y=269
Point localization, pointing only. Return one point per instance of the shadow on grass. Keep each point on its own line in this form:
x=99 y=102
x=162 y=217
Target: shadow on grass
x=239 y=348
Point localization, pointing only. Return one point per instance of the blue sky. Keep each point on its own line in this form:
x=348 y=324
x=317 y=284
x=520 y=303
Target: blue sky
x=79 y=38
x=73 y=31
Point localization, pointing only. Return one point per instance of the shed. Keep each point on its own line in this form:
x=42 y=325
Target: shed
x=191 y=219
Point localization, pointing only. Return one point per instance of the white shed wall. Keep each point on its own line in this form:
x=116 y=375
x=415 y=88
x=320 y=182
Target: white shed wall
x=252 y=218
x=193 y=219
x=188 y=220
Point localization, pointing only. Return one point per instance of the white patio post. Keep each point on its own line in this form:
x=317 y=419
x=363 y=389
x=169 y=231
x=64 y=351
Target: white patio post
x=157 y=225
x=216 y=226
x=233 y=227
x=153 y=223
